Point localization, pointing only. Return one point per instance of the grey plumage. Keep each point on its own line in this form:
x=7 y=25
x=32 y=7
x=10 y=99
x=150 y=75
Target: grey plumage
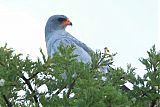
x=55 y=33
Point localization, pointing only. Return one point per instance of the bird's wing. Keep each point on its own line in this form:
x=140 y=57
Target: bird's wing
x=81 y=49
x=79 y=43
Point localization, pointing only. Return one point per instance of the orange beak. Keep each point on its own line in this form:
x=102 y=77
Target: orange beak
x=67 y=22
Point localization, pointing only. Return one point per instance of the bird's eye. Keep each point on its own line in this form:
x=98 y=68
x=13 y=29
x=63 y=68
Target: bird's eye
x=61 y=19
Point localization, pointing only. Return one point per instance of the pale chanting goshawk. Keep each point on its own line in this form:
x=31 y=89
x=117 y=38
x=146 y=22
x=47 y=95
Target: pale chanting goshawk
x=55 y=33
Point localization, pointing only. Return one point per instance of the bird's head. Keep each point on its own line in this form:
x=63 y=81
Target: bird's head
x=57 y=22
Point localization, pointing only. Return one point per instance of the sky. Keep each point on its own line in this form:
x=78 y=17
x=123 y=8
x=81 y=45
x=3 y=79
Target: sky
x=128 y=27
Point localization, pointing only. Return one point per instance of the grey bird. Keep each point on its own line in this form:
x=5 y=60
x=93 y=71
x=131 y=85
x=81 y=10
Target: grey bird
x=55 y=33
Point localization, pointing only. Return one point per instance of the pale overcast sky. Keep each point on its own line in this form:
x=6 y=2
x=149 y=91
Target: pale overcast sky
x=128 y=27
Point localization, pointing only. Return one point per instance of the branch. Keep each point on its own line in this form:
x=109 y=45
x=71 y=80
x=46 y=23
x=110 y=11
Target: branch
x=71 y=87
x=64 y=86
x=33 y=76
x=60 y=89
x=153 y=103
x=1 y=63
x=31 y=89
x=9 y=104
x=101 y=60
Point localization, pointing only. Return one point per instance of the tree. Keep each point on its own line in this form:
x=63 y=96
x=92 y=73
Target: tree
x=71 y=83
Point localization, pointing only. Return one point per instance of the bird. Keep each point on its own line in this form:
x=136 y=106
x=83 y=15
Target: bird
x=55 y=33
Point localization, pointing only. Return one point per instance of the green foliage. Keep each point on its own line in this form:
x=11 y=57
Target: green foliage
x=146 y=90
x=74 y=84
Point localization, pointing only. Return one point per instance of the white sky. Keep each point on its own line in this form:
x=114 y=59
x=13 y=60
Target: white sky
x=128 y=27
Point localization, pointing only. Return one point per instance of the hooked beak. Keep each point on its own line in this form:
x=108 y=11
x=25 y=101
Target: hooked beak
x=71 y=23
x=67 y=22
